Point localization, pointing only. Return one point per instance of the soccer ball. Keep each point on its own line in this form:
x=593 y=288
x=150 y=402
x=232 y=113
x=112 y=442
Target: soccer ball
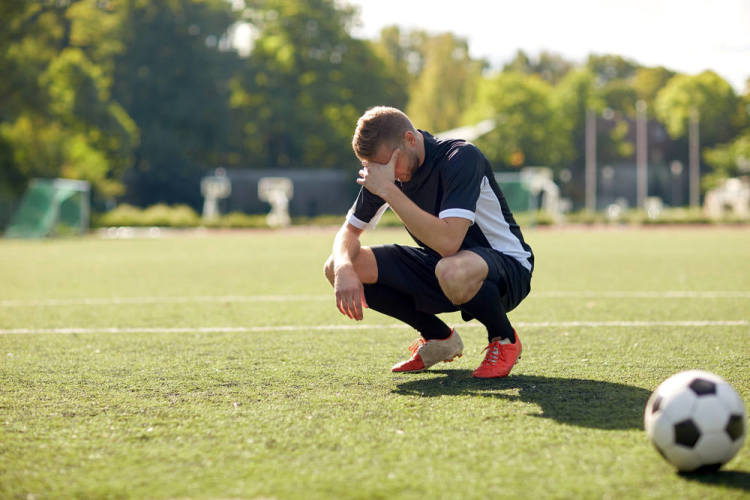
x=696 y=420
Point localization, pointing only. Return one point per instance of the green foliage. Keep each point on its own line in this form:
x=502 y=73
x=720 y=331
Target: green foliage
x=529 y=129
x=297 y=96
x=156 y=215
x=732 y=159
x=534 y=218
x=142 y=97
x=61 y=119
x=173 y=81
x=706 y=94
x=607 y=88
x=237 y=220
x=678 y=215
x=438 y=72
x=609 y=67
x=585 y=217
x=647 y=82
x=35 y=145
x=620 y=96
x=668 y=216
x=401 y=55
x=105 y=136
x=446 y=84
x=729 y=160
x=573 y=96
x=177 y=216
x=549 y=66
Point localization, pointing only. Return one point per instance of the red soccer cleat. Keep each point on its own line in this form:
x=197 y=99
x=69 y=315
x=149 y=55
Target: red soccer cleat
x=499 y=360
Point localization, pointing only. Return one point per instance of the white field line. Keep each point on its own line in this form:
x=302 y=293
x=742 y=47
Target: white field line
x=162 y=300
x=304 y=298
x=294 y=328
x=673 y=294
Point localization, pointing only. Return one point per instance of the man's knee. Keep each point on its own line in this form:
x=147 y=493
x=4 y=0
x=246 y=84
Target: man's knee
x=446 y=271
x=454 y=280
x=328 y=269
x=365 y=266
x=461 y=276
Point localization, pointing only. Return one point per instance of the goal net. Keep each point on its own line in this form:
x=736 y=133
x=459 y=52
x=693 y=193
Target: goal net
x=51 y=207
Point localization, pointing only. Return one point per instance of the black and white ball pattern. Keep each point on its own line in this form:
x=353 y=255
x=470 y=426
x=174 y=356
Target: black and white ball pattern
x=696 y=420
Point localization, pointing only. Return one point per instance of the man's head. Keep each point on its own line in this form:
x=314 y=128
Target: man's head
x=383 y=129
x=379 y=126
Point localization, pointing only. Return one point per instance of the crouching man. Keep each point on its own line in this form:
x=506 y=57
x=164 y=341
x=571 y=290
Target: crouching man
x=470 y=254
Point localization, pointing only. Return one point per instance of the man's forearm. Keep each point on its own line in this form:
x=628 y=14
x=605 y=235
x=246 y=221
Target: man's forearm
x=434 y=232
x=346 y=246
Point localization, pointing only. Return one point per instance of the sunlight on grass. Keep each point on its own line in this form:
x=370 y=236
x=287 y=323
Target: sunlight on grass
x=318 y=414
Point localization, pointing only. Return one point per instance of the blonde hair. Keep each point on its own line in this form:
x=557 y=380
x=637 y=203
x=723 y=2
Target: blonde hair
x=379 y=125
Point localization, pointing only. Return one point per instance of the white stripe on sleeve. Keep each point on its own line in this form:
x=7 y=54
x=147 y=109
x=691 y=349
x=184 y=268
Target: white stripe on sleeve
x=457 y=212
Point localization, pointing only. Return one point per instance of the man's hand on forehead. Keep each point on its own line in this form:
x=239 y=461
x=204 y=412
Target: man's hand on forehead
x=378 y=177
x=391 y=159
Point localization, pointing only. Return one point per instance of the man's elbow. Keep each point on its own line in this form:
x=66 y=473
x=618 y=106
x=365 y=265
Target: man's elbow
x=451 y=236
x=448 y=249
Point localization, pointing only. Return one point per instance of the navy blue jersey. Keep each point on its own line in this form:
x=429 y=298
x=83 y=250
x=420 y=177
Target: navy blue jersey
x=455 y=180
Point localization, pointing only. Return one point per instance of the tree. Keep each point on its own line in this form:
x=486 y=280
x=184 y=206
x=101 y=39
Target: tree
x=446 y=85
x=173 y=80
x=619 y=96
x=57 y=115
x=574 y=95
x=305 y=83
x=728 y=160
x=707 y=94
x=436 y=69
x=549 y=66
x=528 y=125
x=732 y=159
x=647 y=82
x=402 y=54
x=611 y=67
x=619 y=99
x=17 y=90
x=82 y=134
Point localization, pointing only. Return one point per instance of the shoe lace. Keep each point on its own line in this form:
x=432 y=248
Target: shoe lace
x=494 y=352
x=414 y=347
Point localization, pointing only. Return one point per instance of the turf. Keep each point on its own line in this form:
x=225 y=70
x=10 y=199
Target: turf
x=144 y=403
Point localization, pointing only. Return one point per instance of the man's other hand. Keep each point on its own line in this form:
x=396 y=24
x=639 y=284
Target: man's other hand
x=350 y=294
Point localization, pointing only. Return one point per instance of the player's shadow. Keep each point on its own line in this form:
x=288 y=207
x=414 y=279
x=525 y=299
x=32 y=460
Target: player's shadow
x=581 y=402
x=730 y=478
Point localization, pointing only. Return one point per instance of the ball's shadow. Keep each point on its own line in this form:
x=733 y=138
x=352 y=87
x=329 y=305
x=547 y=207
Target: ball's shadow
x=581 y=402
x=729 y=478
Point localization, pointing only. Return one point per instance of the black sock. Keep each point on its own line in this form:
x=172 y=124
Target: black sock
x=399 y=305
x=485 y=306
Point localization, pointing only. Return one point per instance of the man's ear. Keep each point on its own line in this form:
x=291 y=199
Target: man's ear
x=410 y=138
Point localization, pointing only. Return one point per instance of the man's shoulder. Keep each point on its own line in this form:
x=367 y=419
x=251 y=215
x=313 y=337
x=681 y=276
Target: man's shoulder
x=462 y=156
x=443 y=149
x=462 y=150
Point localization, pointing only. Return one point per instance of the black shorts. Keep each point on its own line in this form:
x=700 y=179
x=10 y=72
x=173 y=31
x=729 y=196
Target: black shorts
x=411 y=270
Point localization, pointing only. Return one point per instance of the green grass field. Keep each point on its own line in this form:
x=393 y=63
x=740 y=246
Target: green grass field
x=217 y=366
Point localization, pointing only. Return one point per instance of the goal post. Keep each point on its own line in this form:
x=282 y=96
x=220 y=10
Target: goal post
x=52 y=207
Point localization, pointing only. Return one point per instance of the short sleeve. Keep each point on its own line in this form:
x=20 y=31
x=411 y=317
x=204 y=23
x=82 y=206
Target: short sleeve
x=366 y=210
x=462 y=180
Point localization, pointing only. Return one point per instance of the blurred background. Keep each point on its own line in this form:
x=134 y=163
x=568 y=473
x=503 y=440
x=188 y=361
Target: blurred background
x=172 y=112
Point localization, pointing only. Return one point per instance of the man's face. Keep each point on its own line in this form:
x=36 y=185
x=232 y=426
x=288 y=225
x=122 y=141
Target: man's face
x=406 y=164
